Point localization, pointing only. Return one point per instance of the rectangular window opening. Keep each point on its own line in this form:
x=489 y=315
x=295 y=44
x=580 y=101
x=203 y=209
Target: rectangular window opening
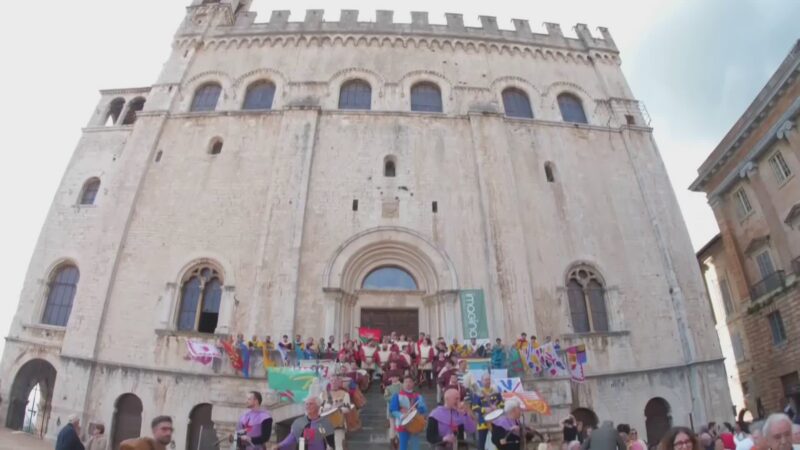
x=435 y=207
x=630 y=119
x=355 y=205
x=743 y=203
x=780 y=167
x=776 y=326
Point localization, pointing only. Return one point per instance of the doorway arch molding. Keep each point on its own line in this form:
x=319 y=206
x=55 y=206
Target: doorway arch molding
x=390 y=246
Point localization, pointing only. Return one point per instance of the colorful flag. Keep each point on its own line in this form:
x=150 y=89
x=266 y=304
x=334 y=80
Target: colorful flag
x=369 y=334
x=531 y=401
x=291 y=381
x=233 y=355
x=508 y=384
x=202 y=352
x=244 y=353
x=575 y=364
x=552 y=364
x=516 y=367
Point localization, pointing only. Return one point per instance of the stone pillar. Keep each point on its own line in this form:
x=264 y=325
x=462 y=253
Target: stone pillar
x=226 y=307
x=332 y=313
x=777 y=233
x=789 y=132
x=733 y=253
x=166 y=305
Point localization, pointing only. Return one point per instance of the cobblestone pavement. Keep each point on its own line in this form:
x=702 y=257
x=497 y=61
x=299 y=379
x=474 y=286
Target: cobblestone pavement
x=14 y=440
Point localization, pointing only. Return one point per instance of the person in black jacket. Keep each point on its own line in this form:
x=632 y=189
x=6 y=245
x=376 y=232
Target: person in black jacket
x=68 y=436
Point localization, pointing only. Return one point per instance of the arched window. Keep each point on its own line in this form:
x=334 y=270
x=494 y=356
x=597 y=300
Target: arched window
x=571 y=109
x=389 y=167
x=114 y=111
x=134 y=107
x=206 y=97
x=355 y=94
x=259 y=96
x=426 y=97
x=215 y=147
x=60 y=295
x=517 y=104
x=587 y=304
x=89 y=191
x=201 y=294
x=389 y=278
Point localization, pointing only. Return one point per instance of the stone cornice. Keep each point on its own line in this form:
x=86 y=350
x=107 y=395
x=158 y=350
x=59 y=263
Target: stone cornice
x=468 y=44
x=125 y=91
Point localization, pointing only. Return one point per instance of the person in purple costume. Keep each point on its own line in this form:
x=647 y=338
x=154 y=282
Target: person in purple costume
x=506 y=430
x=316 y=431
x=255 y=426
x=447 y=422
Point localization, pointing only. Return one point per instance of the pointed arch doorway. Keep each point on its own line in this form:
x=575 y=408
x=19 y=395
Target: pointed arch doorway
x=390 y=278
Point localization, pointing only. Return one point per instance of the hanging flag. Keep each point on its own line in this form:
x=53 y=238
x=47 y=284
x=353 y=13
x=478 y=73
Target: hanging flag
x=575 y=364
x=531 y=401
x=552 y=364
x=291 y=383
x=233 y=354
x=369 y=334
x=244 y=353
x=508 y=384
x=534 y=359
x=516 y=367
x=202 y=352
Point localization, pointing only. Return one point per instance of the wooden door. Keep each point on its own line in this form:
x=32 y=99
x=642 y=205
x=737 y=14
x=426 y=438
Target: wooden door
x=403 y=321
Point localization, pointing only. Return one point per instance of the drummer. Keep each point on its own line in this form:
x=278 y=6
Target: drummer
x=506 y=430
x=337 y=398
x=317 y=431
x=485 y=400
x=395 y=386
x=400 y=406
x=447 y=422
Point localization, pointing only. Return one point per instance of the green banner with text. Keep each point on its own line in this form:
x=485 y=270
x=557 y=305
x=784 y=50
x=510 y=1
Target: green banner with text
x=473 y=314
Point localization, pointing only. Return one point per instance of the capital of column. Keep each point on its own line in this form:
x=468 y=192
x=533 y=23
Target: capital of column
x=749 y=170
x=785 y=129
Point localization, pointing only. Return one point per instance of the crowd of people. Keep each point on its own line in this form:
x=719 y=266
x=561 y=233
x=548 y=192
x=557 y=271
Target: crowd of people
x=468 y=412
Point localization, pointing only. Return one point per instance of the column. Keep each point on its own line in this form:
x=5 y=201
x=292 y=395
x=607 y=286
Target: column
x=226 y=307
x=789 y=132
x=166 y=307
x=332 y=313
x=733 y=254
x=777 y=233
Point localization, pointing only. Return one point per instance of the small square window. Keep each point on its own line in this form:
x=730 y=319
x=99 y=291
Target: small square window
x=630 y=120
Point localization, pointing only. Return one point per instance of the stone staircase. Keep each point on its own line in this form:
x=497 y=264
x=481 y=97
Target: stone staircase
x=374 y=433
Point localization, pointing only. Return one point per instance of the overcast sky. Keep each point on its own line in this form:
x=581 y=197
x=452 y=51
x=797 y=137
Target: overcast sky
x=696 y=65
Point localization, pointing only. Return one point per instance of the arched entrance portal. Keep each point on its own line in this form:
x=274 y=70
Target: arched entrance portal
x=201 y=434
x=37 y=377
x=394 y=279
x=586 y=416
x=127 y=419
x=657 y=419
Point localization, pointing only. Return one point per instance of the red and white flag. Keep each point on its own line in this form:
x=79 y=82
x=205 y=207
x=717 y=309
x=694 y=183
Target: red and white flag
x=202 y=352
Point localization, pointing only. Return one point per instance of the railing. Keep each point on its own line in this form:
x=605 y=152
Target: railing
x=773 y=281
x=796 y=265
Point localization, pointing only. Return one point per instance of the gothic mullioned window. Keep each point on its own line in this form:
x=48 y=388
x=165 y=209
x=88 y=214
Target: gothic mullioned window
x=587 y=300
x=517 y=104
x=60 y=295
x=89 y=191
x=355 y=94
x=571 y=109
x=114 y=111
x=259 y=96
x=426 y=97
x=206 y=97
x=201 y=294
x=134 y=107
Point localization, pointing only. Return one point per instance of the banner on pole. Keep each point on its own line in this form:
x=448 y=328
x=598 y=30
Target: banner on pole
x=473 y=314
x=291 y=384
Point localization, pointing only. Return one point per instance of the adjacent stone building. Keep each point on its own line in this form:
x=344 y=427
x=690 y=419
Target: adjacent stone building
x=753 y=267
x=312 y=177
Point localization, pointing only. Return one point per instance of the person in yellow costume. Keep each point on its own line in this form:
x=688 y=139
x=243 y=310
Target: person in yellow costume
x=267 y=347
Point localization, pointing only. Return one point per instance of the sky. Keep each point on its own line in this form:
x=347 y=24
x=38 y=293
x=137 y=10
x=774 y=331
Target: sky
x=695 y=64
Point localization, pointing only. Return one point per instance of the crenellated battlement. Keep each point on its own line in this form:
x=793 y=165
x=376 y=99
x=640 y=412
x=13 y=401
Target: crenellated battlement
x=240 y=21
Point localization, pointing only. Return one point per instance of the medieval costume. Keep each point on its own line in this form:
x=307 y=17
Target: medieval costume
x=317 y=433
x=257 y=424
x=444 y=422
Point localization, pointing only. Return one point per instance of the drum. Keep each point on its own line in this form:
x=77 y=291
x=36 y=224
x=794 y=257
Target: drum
x=413 y=422
x=492 y=416
x=353 y=420
x=335 y=416
x=358 y=399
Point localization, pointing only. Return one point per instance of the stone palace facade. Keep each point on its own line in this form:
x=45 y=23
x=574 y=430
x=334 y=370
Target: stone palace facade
x=313 y=177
